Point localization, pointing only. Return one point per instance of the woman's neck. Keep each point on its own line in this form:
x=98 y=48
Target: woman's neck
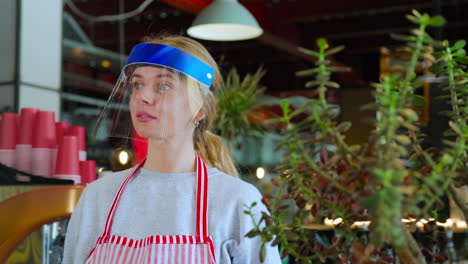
x=173 y=156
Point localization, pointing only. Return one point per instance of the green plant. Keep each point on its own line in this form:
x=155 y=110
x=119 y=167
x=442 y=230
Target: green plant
x=384 y=180
x=236 y=100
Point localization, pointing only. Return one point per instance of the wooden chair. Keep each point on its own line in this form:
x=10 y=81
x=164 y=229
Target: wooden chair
x=25 y=212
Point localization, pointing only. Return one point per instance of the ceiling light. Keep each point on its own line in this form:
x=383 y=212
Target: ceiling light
x=225 y=20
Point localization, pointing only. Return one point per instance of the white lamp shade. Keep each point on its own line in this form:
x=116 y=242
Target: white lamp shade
x=225 y=20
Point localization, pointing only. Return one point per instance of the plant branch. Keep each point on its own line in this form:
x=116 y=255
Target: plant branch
x=411 y=254
x=459 y=201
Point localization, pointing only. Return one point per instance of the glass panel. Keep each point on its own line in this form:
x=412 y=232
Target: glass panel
x=44 y=245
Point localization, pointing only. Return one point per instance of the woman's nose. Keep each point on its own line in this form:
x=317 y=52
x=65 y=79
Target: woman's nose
x=146 y=95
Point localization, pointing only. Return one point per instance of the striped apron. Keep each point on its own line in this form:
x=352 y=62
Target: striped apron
x=175 y=249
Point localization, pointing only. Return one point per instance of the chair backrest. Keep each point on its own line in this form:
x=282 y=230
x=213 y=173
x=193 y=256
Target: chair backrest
x=25 y=212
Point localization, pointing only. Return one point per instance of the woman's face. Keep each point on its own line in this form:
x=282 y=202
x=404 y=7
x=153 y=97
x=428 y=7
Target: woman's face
x=159 y=104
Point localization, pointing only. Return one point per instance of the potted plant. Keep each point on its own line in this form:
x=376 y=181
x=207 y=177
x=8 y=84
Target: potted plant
x=237 y=100
x=390 y=182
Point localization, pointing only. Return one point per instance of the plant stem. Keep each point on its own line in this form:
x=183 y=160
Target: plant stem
x=411 y=254
x=413 y=63
x=459 y=201
x=453 y=94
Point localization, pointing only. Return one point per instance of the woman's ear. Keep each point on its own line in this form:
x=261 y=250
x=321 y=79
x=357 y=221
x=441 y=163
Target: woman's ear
x=200 y=115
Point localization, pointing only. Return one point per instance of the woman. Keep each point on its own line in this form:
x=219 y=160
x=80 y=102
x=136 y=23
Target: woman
x=171 y=208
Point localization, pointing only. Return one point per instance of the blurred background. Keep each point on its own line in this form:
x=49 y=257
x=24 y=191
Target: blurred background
x=65 y=56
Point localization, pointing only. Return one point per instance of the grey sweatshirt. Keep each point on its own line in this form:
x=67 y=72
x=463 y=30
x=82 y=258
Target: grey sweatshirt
x=164 y=204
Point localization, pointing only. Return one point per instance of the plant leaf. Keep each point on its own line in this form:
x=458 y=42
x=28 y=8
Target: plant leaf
x=436 y=21
x=334 y=50
x=461 y=53
x=343 y=126
x=322 y=43
x=307 y=72
x=417 y=100
x=458 y=45
x=262 y=252
x=413 y=19
x=308 y=52
x=455 y=127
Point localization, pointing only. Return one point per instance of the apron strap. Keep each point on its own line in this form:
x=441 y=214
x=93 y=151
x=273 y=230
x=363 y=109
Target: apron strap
x=202 y=199
x=201 y=194
x=115 y=201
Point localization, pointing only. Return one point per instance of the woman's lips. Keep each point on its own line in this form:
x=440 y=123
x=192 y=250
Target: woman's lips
x=144 y=117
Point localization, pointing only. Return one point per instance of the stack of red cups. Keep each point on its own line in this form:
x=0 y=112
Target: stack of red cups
x=34 y=143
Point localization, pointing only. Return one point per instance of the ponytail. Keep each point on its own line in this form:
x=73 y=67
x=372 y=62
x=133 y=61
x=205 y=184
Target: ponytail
x=212 y=150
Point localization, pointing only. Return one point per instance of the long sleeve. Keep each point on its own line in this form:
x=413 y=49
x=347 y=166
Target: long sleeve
x=83 y=228
x=73 y=230
x=88 y=218
x=248 y=250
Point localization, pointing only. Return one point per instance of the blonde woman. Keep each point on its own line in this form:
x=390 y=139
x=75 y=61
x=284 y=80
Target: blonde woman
x=184 y=202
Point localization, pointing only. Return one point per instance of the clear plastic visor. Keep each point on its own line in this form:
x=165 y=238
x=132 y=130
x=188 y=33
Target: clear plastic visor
x=152 y=102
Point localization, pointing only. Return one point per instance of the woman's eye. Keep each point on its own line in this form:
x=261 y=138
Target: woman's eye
x=164 y=87
x=136 y=86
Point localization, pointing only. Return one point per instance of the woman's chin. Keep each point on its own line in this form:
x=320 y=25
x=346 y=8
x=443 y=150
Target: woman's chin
x=143 y=133
x=151 y=136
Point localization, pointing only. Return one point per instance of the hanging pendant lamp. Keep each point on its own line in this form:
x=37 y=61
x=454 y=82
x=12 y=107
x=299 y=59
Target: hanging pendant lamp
x=225 y=20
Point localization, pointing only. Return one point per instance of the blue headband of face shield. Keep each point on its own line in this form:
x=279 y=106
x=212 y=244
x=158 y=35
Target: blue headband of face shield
x=174 y=58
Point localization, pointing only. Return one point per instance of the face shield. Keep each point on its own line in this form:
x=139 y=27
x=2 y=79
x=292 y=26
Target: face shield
x=158 y=95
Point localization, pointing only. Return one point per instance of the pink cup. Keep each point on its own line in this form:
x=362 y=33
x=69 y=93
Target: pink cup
x=28 y=118
x=61 y=129
x=80 y=133
x=24 y=144
x=88 y=171
x=9 y=130
x=44 y=149
x=45 y=135
x=68 y=164
x=8 y=136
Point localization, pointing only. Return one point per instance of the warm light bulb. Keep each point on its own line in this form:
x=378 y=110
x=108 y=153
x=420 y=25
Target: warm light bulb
x=419 y=224
x=337 y=221
x=260 y=172
x=77 y=51
x=105 y=64
x=328 y=221
x=449 y=223
x=123 y=157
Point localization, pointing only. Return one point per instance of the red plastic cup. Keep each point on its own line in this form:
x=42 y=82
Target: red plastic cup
x=23 y=155
x=44 y=147
x=27 y=124
x=8 y=132
x=80 y=133
x=88 y=171
x=44 y=134
x=61 y=129
x=68 y=164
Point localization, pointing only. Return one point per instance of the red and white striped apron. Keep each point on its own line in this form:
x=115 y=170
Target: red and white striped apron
x=175 y=249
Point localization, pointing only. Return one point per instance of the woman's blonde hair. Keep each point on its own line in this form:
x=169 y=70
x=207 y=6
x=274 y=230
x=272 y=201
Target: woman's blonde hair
x=210 y=146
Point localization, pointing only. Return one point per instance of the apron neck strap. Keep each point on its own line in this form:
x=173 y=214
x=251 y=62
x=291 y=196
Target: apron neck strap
x=202 y=198
x=201 y=195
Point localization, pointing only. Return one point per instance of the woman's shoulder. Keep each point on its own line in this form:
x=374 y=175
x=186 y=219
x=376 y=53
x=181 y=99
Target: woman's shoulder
x=231 y=186
x=107 y=184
